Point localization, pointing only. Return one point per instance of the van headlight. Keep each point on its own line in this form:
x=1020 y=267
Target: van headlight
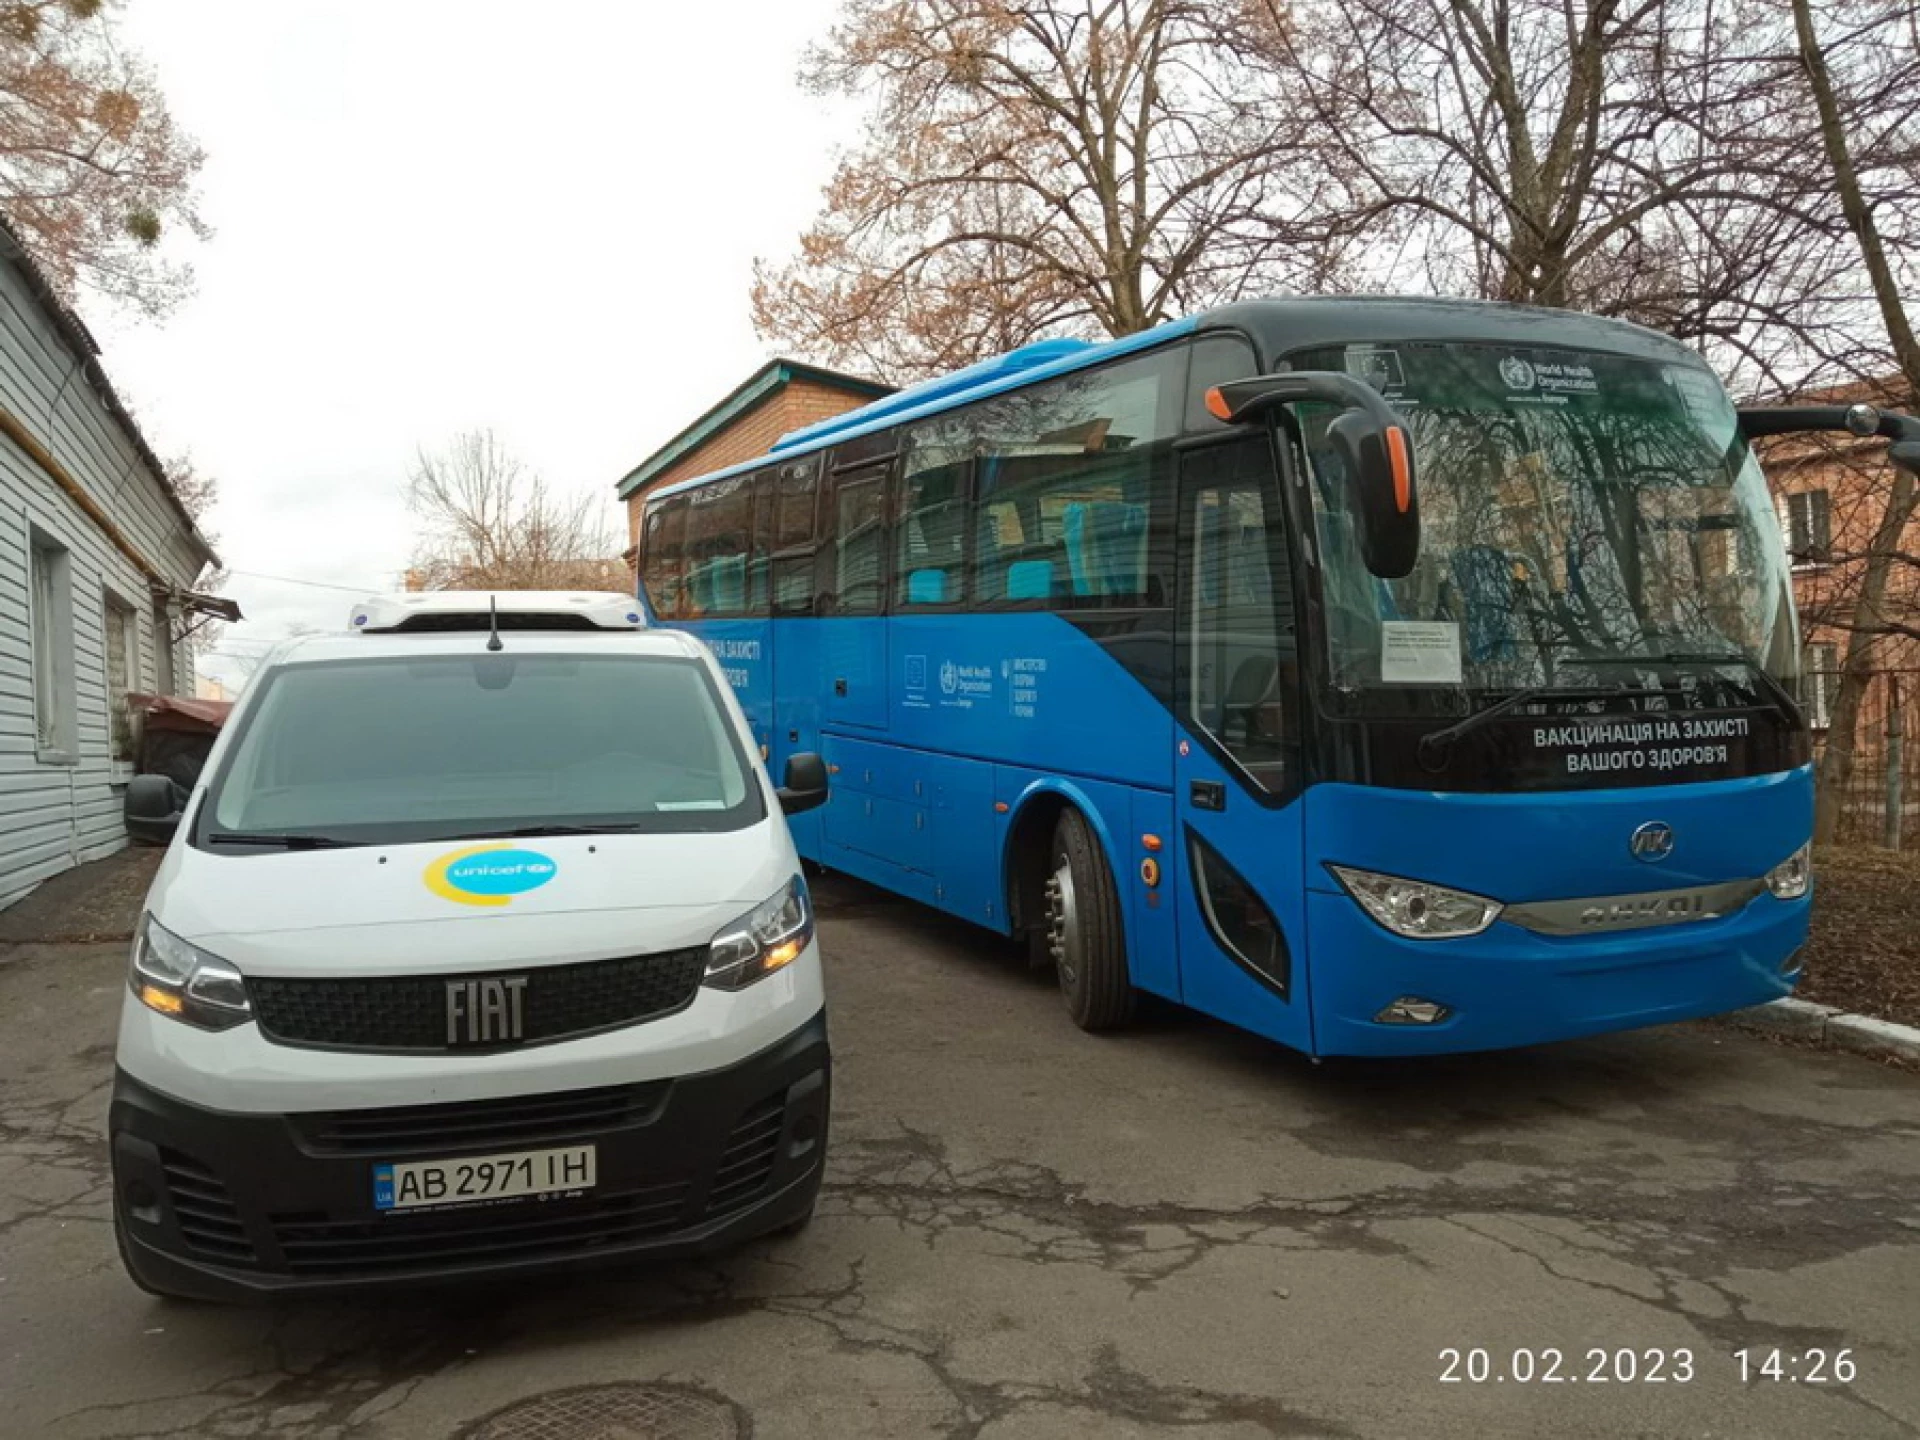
x=1416 y=909
x=1790 y=878
x=767 y=938
x=184 y=982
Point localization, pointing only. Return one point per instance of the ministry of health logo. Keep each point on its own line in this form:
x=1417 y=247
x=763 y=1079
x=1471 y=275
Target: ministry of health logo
x=1517 y=373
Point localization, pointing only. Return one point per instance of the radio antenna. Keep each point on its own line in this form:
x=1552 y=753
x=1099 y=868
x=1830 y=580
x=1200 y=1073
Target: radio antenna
x=493 y=623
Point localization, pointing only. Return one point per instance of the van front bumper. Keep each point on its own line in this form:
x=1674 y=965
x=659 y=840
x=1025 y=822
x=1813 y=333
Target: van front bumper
x=222 y=1205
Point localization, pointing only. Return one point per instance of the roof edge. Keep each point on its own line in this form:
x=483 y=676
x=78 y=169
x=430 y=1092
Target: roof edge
x=762 y=384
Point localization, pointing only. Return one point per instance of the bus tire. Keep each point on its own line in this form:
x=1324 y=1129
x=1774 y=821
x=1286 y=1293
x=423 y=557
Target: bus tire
x=1084 y=933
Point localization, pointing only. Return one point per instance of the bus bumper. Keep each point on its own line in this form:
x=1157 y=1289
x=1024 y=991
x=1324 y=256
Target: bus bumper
x=1507 y=986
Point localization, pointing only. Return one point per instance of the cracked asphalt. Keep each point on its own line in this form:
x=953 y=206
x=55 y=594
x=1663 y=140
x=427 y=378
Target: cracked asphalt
x=1029 y=1232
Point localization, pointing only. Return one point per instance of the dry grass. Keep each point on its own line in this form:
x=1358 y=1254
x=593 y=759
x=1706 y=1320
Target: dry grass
x=1864 y=955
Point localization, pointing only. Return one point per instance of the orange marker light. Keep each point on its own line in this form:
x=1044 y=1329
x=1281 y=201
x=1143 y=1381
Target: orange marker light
x=165 y=1001
x=783 y=954
x=1000 y=807
x=1150 y=842
x=1217 y=405
x=1402 y=468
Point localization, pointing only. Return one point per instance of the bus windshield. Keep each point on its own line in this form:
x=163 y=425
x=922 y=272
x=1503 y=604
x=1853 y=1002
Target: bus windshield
x=1579 y=510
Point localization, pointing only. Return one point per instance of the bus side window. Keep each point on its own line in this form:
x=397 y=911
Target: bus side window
x=793 y=493
x=857 y=551
x=662 y=557
x=1066 y=481
x=931 y=528
x=1216 y=359
x=719 y=524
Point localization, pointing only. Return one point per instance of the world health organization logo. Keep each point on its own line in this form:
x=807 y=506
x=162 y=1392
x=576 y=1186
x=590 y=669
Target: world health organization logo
x=1517 y=373
x=949 y=677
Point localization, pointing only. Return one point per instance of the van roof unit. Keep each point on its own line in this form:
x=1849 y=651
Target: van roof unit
x=438 y=611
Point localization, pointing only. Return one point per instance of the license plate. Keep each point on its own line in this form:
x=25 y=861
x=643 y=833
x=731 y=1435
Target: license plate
x=425 y=1184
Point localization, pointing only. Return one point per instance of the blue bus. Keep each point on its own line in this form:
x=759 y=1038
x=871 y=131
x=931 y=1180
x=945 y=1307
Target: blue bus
x=1383 y=676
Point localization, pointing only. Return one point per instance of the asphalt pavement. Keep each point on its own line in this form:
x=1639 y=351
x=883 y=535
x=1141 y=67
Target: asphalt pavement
x=1031 y=1232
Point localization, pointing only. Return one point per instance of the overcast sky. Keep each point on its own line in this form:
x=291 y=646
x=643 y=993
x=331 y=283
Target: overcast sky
x=432 y=216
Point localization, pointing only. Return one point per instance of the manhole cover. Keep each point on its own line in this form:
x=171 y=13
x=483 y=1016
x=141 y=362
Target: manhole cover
x=613 y=1412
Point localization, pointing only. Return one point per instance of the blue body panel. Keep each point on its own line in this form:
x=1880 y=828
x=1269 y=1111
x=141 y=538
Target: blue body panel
x=1509 y=986
x=952 y=725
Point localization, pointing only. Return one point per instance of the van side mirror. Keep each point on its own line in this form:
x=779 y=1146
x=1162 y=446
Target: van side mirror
x=1373 y=443
x=806 y=783
x=152 y=808
x=1862 y=421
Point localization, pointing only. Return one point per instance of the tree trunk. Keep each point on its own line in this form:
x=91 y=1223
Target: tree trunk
x=1836 y=764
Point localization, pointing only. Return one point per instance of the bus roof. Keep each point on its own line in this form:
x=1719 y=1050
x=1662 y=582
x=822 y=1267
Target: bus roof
x=1277 y=326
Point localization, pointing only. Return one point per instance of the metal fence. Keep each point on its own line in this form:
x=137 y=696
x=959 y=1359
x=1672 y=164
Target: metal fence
x=1882 y=803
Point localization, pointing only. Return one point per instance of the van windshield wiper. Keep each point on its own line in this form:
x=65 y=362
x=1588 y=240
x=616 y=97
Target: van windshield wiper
x=1779 y=693
x=520 y=832
x=285 y=842
x=1434 y=745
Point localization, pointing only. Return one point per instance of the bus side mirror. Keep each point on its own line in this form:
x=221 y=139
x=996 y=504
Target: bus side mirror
x=1379 y=460
x=1371 y=440
x=806 y=783
x=1862 y=421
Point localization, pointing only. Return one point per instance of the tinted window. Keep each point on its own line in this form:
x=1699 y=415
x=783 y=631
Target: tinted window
x=454 y=746
x=662 y=559
x=719 y=525
x=930 y=536
x=859 y=543
x=1216 y=360
x=792 y=526
x=1067 y=477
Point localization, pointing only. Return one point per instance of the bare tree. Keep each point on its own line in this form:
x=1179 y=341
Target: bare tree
x=92 y=169
x=487 y=522
x=1079 y=166
x=1865 y=108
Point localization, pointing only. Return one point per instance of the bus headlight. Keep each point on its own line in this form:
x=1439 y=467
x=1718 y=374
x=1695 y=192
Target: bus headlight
x=767 y=938
x=184 y=982
x=1414 y=908
x=1790 y=878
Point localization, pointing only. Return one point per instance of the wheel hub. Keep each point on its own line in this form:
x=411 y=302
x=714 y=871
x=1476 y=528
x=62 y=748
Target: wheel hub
x=1063 y=922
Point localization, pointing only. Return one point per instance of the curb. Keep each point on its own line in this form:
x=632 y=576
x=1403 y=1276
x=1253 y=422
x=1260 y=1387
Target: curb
x=1824 y=1025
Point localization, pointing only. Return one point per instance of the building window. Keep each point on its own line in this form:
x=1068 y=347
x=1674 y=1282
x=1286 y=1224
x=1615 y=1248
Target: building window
x=123 y=675
x=1819 y=683
x=51 y=581
x=1806 y=521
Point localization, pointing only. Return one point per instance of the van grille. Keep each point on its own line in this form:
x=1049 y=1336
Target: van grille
x=316 y=1245
x=748 y=1160
x=530 y=1121
x=409 y=1012
x=209 y=1223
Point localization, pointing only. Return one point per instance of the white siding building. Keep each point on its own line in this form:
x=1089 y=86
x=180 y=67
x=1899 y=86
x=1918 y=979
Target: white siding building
x=98 y=563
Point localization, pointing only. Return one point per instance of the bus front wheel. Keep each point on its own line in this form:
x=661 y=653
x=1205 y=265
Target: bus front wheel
x=1084 y=933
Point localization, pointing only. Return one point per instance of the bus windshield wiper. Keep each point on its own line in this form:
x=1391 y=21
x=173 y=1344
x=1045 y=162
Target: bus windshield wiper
x=285 y=842
x=1779 y=693
x=1434 y=746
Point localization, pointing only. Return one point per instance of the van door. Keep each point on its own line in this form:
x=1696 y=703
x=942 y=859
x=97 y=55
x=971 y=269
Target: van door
x=1237 y=762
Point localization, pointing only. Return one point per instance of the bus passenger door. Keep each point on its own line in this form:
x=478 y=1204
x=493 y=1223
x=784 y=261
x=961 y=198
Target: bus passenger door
x=853 y=600
x=1238 y=850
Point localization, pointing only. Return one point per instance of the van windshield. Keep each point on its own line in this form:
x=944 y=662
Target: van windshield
x=446 y=747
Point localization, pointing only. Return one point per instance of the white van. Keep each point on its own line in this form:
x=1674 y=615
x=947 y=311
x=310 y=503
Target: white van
x=480 y=946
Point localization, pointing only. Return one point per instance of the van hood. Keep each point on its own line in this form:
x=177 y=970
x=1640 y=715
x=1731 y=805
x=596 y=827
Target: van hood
x=456 y=902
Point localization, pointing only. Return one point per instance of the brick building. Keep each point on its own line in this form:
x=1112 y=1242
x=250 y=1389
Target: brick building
x=781 y=395
x=1831 y=493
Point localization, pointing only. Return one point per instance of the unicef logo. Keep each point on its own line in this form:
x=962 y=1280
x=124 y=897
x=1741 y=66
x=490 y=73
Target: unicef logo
x=949 y=677
x=1517 y=373
x=488 y=874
